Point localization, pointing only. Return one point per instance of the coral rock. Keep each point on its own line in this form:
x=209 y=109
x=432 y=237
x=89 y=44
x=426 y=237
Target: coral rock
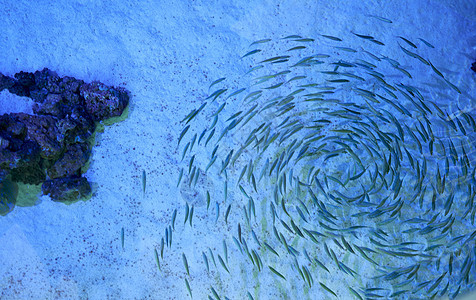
x=6 y=82
x=103 y=102
x=75 y=156
x=56 y=139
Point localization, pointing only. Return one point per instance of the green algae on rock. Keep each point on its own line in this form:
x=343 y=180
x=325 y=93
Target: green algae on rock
x=8 y=196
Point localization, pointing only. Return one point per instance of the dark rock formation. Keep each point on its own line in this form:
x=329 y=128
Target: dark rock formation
x=51 y=146
x=473 y=66
x=8 y=196
x=103 y=102
x=67 y=189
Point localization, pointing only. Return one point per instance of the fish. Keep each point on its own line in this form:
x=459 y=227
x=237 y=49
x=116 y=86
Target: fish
x=122 y=238
x=308 y=276
x=182 y=134
x=373 y=56
x=191 y=216
x=239 y=91
x=338 y=80
x=408 y=42
x=162 y=248
x=185 y=150
x=187 y=211
x=346 y=49
x=426 y=43
x=437 y=282
x=377 y=42
x=253 y=95
x=180 y=177
x=354 y=292
x=271 y=249
x=194 y=113
x=190 y=164
x=215 y=95
x=380 y=18
x=174 y=215
x=255 y=237
x=454 y=87
x=294 y=36
x=276 y=58
x=216 y=82
x=239 y=233
x=170 y=236
x=215 y=293
x=297 y=48
x=227 y=213
x=212 y=161
x=257 y=259
x=251 y=52
x=195 y=179
x=194 y=138
x=436 y=70
x=365 y=37
x=272 y=87
x=286 y=132
x=332 y=37
x=188 y=287
x=276 y=272
x=192 y=175
x=205 y=260
x=225 y=251
x=202 y=135
x=304 y=40
x=185 y=263
x=208 y=199
x=260 y=42
x=167 y=236
x=404 y=72
x=157 y=259
x=238 y=245
x=223 y=264
x=306 y=61
x=227 y=161
x=254 y=69
x=328 y=289
x=414 y=55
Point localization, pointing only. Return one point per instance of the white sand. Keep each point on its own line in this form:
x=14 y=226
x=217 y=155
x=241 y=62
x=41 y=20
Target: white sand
x=166 y=55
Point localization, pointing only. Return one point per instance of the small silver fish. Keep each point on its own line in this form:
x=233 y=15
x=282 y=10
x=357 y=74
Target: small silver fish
x=216 y=82
x=157 y=258
x=332 y=37
x=144 y=179
x=185 y=263
x=122 y=237
x=188 y=287
x=251 y=53
x=205 y=259
x=380 y=18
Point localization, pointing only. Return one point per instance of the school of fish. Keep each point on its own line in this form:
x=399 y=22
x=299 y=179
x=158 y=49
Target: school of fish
x=338 y=167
